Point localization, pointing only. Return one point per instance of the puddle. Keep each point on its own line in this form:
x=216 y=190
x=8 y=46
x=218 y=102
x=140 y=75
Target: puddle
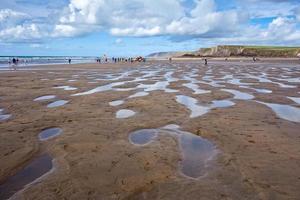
x=196 y=154
x=44 y=98
x=290 y=80
x=67 y=88
x=264 y=91
x=139 y=94
x=295 y=99
x=286 y=112
x=282 y=85
x=57 y=103
x=36 y=169
x=49 y=133
x=222 y=103
x=143 y=137
x=116 y=103
x=235 y=81
x=160 y=85
x=100 y=89
x=3 y=116
x=239 y=95
x=196 y=151
x=124 y=113
x=192 y=105
x=195 y=88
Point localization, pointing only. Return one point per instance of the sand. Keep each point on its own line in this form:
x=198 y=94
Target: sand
x=259 y=152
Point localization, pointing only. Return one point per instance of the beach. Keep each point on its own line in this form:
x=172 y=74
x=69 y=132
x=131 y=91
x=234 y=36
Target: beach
x=226 y=130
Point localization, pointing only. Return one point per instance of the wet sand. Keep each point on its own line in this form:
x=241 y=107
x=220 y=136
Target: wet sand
x=247 y=112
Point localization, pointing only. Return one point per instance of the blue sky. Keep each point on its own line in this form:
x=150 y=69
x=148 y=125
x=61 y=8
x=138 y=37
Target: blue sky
x=140 y=27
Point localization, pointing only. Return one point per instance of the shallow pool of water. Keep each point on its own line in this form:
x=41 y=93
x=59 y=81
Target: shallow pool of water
x=196 y=152
x=57 y=103
x=124 y=113
x=67 y=88
x=286 y=112
x=102 y=88
x=49 y=133
x=34 y=170
x=44 y=98
x=143 y=137
x=196 y=88
x=139 y=94
x=295 y=99
x=192 y=105
x=116 y=103
x=239 y=95
x=4 y=116
x=222 y=103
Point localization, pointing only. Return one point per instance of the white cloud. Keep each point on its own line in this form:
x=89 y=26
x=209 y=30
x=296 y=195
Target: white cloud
x=140 y=18
x=7 y=15
x=146 y=18
x=14 y=26
x=64 y=31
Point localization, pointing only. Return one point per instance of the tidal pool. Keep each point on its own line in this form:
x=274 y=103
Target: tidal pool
x=116 y=103
x=49 y=133
x=34 y=170
x=4 y=116
x=286 y=112
x=196 y=88
x=239 y=95
x=192 y=105
x=143 y=137
x=197 y=152
x=44 y=98
x=295 y=99
x=124 y=113
x=57 y=103
x=67 y=88
x=139 y=94
x=222 y=103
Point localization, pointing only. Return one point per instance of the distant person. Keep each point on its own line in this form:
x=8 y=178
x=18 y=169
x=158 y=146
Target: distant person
x=70 y=60
x=170 y=59
x=14 y=65
x=254 y=59
x=205 y=61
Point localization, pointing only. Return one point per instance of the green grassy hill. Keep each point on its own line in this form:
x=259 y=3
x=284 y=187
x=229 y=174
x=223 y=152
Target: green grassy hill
x=247 y=51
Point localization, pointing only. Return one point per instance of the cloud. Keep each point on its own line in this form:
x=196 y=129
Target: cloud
x=141 y=18
x=14 y=26
x=7 y=15
x=201 y=19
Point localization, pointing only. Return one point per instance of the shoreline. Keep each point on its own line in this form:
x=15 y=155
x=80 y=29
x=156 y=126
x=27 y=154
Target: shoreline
x=153 y=60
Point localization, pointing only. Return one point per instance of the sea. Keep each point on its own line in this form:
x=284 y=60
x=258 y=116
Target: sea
x=44 y=60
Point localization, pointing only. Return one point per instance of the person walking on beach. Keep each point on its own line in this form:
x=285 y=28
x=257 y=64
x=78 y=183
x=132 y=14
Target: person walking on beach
x=205 y=61
x=14 y=65
x=70 y=60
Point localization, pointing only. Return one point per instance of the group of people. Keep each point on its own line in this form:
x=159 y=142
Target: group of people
x=120 y=59
x=13 y=63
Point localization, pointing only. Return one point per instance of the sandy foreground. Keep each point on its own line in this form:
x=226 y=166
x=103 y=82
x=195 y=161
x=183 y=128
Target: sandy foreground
x=258 y=148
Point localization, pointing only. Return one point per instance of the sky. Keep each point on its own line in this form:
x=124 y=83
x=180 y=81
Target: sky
x=141 y=27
